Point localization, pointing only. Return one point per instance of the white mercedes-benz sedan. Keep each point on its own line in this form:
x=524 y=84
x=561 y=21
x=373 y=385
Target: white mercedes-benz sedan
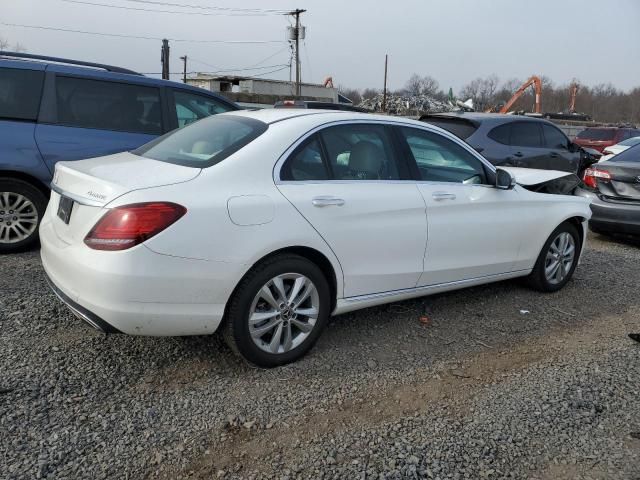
x=263 y=224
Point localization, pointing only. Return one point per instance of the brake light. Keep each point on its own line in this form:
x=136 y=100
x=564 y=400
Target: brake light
x=124 y=227
x=592 y=174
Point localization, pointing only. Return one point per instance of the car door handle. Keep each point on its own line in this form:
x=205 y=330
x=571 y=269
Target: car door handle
x=327 y=201
x=518 y=154
x=438 y=196
x=553 y=155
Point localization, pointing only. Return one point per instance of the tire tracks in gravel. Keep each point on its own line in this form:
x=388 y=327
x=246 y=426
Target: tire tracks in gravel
x=447 y=389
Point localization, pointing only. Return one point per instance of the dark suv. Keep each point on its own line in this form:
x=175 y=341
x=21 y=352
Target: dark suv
x=514 y=140
x=54 y=109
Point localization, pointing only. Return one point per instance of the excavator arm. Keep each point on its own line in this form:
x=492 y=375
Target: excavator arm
x=537 y=85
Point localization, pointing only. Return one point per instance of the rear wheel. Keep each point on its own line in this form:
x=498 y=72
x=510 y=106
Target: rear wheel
x=21 y=208
x=557 y=260
x=278 y=311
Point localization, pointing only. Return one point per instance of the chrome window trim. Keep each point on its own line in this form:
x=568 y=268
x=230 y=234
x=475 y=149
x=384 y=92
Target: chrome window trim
x=393 y=123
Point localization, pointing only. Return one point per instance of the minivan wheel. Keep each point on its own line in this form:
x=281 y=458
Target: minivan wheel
x=21 y=208
x=557 y=260
x=278 y=311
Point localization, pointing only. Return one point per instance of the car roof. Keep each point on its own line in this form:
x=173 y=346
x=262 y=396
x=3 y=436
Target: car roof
x=274 y=115
x=482 y=117
x=100 y=73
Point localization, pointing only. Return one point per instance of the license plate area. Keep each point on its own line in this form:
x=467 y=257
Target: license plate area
x=64 y=209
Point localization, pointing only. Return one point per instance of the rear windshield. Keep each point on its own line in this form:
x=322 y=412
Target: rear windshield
x=460 y=128
x=630 y=142
x=597 y=134
x=205 y=142
x=629 y=155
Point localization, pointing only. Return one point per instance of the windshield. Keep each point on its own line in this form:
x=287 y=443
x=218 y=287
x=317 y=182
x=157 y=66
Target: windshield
x=205 y=142
x=597 y=134
x=629 y=155
x=630 y=142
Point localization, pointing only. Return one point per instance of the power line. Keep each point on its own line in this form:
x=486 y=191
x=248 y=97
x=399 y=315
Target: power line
x=139 y=37
x=239 y=69
x=202 y=7
x=175 y=12
x=212 y=73
x=250 y=67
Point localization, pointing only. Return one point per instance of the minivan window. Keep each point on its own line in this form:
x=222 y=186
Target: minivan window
x=525 y=134
x=204 y=143
x=191 y=107
x=106 y=105
x=20 y=92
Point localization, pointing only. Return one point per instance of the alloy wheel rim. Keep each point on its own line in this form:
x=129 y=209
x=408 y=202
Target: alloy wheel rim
x=283 y=313
x=18 y=217
x=560 y=258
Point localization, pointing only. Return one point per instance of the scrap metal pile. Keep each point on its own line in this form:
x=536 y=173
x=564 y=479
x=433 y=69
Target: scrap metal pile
x=407 y=104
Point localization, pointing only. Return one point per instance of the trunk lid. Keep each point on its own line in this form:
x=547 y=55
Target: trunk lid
x=92 y=184
x=624 y=184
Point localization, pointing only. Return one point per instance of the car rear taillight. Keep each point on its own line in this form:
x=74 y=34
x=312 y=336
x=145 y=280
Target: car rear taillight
x=127 y=226
x=591 y=174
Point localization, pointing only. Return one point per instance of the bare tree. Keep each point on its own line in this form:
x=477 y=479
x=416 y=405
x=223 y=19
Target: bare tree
x=6 y=45
x=417 y=85
x=368 y=93
x=352 y=94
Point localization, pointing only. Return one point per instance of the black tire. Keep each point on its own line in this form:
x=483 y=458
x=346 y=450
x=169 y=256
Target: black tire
x=39 y=201
x=537 y=278
x=235 y=329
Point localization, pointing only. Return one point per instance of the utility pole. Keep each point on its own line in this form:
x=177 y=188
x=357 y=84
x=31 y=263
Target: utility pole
x=296 y=37
x=184 y=70
x=384 y=90
x=164 y=58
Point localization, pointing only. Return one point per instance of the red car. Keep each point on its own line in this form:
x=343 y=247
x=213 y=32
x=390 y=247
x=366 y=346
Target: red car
x=600 y=138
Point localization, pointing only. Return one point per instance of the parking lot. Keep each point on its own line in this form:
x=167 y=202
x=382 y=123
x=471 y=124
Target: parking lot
x=483 y=390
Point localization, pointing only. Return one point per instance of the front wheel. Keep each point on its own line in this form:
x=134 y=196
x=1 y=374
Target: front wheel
x=21 y=208
x=278 y=311
x=557 y=260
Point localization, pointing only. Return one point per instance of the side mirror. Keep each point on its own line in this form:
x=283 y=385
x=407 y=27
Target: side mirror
x=504 y=180
x=572 y=147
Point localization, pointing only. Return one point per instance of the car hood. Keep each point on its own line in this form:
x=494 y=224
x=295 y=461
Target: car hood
x=545 y=181
x=534 y=176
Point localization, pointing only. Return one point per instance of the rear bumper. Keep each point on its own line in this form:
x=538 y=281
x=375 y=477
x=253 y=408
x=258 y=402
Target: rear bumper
x=138 y=291
x=612 y=217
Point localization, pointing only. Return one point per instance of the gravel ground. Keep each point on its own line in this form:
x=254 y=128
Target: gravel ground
x=484 y=390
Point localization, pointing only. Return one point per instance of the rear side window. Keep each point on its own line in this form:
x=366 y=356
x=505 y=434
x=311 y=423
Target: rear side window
x=108 y=105
x=306 y=163
x=20 y=92
x=459 y=127
x=501 y=134
x=525 y=134
x=361 y=152
x=191 y=107
x=553 y=138
x=601 y=134
x=204 y=143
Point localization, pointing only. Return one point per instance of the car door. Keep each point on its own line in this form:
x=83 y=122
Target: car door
x=527 y=146
x=558 y=145
x=474 y=229
x=350 y=184
x=90 y=118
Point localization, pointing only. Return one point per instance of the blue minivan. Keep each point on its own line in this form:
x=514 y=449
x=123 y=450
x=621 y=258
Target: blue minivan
x=54 y=109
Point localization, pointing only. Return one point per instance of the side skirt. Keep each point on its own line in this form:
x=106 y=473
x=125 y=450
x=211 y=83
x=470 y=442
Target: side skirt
x=344 y=305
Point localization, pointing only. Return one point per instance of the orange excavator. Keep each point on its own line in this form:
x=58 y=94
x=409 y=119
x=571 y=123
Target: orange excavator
x=537 y=86
x=573 y=91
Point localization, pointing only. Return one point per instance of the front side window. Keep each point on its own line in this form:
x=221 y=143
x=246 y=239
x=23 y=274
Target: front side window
x=360 y=152
x=526 y=134
x=192 y=107
x=554 y=138
x=306 y=163
x=105 y=105
x=20 y=92
x=205 y=143
x=441 y=160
